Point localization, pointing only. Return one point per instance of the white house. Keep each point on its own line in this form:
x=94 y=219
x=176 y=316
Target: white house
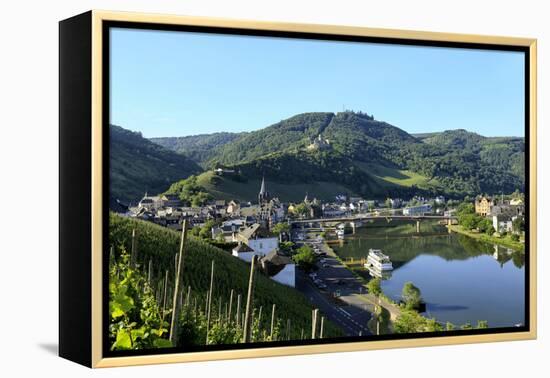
x=228 y=229
x=221 y=171
x=150 y=202
x=332 y=211
x=439 y=200
x=287 y=276
x=417 y=210
x=502 y=223
x=449 y=213
x=279 y=268
x=395 y=202
x=516 y=201
x=251 y=237
x=238 y=222
x=341 y=197
x=243 y=252
x=262 y=246
x=233 y=208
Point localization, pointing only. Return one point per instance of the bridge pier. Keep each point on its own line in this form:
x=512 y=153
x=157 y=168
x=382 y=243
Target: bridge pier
x=352 y=224
x=417 y=226
x=449 y=223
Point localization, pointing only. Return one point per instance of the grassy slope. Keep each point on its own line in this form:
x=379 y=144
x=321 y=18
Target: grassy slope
x=386 y=176
x=248 y=191
x=160 y=245
x=383 y=178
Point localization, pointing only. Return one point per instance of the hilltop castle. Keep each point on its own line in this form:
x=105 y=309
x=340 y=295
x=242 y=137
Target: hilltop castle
x=319 y=144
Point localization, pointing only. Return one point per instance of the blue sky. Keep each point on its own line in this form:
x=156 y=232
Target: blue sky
x=177 y=84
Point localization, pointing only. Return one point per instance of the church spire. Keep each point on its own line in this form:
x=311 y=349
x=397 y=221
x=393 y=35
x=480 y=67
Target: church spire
x=263 y=196
x=262 y=188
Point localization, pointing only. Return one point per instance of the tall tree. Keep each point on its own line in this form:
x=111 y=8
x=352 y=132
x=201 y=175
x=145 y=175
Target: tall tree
x=411 y=296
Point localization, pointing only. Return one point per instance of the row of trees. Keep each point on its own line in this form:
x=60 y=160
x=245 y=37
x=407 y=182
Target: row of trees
x=305 y=258
x=410 y=294
x=190 y=192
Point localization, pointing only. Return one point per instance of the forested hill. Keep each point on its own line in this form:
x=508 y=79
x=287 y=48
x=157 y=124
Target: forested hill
x=507 y=153
x=352 y=134
x=200 y=148
x=138 y=165
x=367 y=156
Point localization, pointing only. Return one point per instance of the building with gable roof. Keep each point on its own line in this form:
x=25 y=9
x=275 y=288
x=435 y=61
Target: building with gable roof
x=279 y=268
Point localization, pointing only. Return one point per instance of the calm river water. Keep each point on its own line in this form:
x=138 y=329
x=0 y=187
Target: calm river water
x=461 y=279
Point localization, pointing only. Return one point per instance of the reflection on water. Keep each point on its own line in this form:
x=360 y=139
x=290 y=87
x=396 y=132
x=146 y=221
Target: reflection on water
x=384 y=275
x=461 y=279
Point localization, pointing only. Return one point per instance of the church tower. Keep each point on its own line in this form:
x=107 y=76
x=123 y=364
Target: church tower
x=263 y=196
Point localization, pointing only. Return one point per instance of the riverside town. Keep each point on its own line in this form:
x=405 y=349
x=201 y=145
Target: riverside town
x=255 y=200
x=358 y=263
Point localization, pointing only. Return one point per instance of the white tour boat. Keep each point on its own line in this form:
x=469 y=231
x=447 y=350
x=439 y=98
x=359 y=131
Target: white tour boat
x=376 y=259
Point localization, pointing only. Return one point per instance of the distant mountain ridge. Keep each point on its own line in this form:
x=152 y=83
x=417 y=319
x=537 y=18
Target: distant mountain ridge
x=507 y=152
x=369 y=157
x=138 y=165
x=200 y=148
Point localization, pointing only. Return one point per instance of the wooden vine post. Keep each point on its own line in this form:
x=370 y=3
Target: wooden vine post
x=230 y=306
x=178 y=287
x=315 y=314
x=260 y=316
x=164 y=297
x=209 y=305
x=188 y=297
x=238 y=314
x=133 y=252
x=272 y=322
x=249 y=301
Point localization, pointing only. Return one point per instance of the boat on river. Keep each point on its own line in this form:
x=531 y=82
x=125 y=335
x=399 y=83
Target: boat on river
x=379 y=261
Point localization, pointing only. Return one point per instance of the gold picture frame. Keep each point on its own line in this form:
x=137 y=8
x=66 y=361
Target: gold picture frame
x=87 y=32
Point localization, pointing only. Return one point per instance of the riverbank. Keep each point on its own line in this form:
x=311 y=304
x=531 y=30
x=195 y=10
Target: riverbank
x=505 y=242
x=392 y=308
x=461 y=278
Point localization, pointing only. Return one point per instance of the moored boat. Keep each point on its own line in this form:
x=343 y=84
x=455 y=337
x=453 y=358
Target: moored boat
x=376 y=259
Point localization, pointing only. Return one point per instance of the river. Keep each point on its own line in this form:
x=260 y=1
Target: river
x=461 y=280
